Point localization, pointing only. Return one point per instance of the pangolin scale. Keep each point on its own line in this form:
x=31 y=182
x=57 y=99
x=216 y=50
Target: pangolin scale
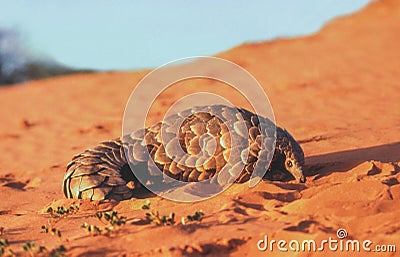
x=102 y=172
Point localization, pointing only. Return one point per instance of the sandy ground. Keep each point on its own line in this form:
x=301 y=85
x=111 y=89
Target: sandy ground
x=337 y=92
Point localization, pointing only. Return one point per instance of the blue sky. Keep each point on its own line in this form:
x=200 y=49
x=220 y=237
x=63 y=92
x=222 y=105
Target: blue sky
x=126 y=34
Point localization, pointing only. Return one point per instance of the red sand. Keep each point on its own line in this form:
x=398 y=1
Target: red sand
x=337 y=92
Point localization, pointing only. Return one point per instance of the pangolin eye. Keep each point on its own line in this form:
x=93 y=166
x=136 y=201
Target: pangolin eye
x=289 y=164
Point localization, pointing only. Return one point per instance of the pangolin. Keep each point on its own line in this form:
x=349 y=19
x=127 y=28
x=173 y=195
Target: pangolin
x=102 y=172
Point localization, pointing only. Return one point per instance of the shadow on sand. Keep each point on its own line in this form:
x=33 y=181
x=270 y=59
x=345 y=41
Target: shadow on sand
x=325 y=164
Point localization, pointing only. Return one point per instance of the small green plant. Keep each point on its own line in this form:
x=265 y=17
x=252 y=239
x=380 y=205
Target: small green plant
x=110 y=219
x=62 y=212
x=56 y=215
x=31 y=248
x=3 y=242
x=59 y=252
x=155 y=218
x=52 y=230
x=197 y=216
x=147 y=205
x=5 y=248
x=92 y=229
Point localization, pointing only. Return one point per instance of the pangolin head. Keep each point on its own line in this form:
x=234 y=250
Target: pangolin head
x=293 y=155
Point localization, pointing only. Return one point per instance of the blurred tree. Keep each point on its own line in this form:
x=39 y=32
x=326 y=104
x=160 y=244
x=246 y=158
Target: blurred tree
x=18 y=65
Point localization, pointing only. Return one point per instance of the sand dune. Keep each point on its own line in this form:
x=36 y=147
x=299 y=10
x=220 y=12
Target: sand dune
x=338 y=93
